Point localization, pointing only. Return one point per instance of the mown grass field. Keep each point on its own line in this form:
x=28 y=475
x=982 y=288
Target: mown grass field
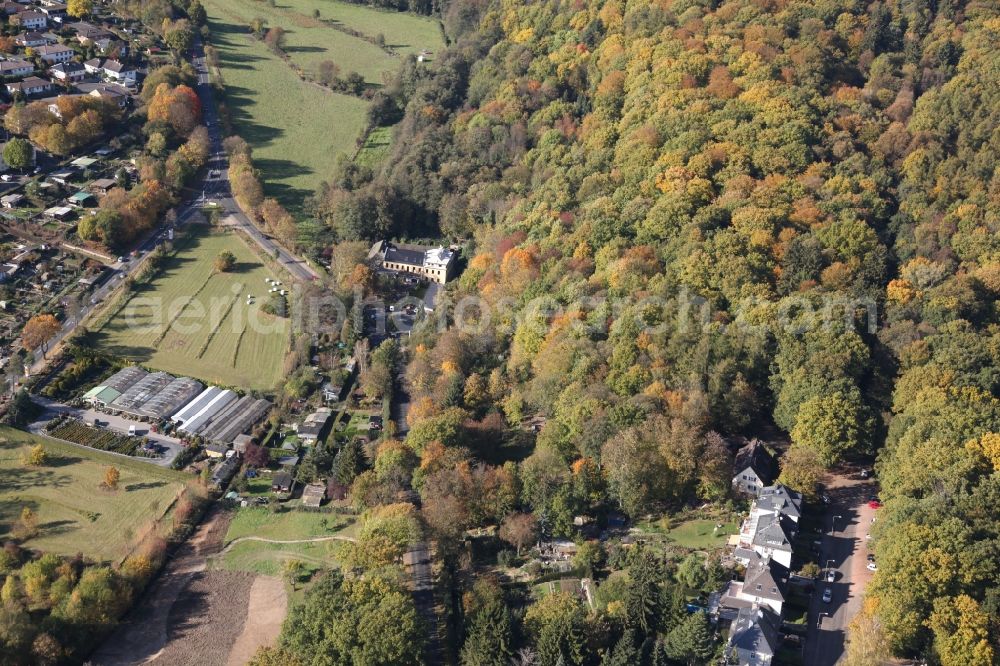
x=269 y=559
x=193 y=321
x=403 y=33
x=378 y=143
x=298 y=128
x=308 y=40
x=74 y=513
x=289 y=525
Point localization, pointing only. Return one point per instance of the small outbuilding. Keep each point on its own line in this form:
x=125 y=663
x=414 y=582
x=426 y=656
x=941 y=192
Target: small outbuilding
x=282 y=483
x=11 y=200
x=216 y=450
x=241 y=442
x=103 y=185
x=313 y=494
x=59 y=212
x=83 y=198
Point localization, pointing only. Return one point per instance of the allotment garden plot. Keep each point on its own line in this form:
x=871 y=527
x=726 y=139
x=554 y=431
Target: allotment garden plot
x=193 y=320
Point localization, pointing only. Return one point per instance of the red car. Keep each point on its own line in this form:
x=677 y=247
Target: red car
x=874 y=504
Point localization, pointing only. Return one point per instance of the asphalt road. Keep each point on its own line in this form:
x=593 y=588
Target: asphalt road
x=844 y=550
x=216 y=186
x=419 y=568
x=214 y=189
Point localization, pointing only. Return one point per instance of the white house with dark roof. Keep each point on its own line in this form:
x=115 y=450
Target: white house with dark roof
x=776 y=500
x=109 y=91
x=119 y=72
x=779 y=500
x=31 y=39
x=754 y=637
x=68 y=72
x=16 y=68
x=755 y=468
x=30 y=20
x=435 y=264
x=764 y=584
x=55 y=53
x=32 y=85
x=773 y=538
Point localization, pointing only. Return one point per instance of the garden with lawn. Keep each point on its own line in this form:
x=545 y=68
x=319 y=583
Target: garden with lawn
x=74 y=512
x=694 y=533
x=269 y=559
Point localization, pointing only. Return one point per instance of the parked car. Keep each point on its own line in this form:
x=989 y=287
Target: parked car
x=827 y=595
x=872 y=566
x=871 y=558
x=874 y=503
x=831 y=576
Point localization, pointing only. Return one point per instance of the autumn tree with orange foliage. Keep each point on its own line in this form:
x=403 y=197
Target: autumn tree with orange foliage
x=278 y=220
x=178 y=106
x=39 y=331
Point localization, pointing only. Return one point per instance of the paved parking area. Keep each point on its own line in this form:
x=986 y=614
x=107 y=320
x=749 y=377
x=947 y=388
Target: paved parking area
x=172 y=445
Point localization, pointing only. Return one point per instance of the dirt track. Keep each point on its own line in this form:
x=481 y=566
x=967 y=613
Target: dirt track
x=191 y=616
x=266 y=610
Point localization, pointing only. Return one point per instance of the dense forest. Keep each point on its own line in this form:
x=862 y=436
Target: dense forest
x=692 y=218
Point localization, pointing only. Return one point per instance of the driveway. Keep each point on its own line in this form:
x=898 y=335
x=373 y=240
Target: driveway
x=119 y=424
x=845 y=550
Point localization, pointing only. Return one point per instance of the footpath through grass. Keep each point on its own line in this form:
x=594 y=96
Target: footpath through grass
x=287 y=525
x=269 y=558
x=74 y=513
x=191 y=320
